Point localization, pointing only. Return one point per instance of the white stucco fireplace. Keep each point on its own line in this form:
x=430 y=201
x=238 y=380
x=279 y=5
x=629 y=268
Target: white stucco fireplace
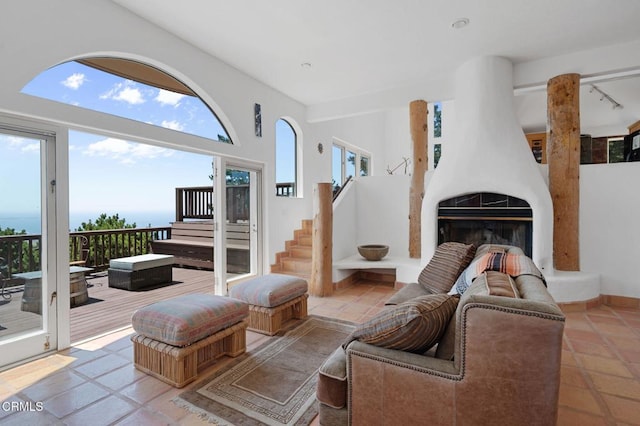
x=488 y=153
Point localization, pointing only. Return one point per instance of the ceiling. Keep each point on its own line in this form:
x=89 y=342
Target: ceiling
x=320 y=52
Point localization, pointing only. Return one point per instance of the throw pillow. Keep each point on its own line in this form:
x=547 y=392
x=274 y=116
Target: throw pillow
x=413 y=326
x=448 y=261
x=512 y=264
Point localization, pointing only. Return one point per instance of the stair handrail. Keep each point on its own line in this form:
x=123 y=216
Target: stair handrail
x=338 y=191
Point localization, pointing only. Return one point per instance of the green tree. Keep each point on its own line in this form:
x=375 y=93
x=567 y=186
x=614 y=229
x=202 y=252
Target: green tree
x=11 y=231
x=115 y=244
x=14 y=252
x=437 y=120
x=106 y=222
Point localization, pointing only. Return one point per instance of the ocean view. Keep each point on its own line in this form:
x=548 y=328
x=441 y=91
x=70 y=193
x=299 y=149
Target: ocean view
x=30 y=222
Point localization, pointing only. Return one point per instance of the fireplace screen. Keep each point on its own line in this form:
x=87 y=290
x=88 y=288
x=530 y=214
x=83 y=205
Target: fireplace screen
x=486 y=218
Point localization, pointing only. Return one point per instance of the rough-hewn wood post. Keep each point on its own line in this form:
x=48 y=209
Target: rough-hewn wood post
x=321 y=253
x=418 y=124
x=563 y=157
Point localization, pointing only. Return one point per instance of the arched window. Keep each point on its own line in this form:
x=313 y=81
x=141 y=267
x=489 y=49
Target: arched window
x=129 y=89
x=286 y=159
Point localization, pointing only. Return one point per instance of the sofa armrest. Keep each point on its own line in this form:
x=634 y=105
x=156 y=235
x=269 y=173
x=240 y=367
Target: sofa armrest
x=418 y=362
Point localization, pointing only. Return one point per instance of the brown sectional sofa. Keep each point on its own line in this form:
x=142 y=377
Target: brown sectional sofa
x=498 y=362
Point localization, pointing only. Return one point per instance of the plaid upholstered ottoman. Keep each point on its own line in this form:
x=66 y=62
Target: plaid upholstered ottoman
x=178 y=338
x=273 y=299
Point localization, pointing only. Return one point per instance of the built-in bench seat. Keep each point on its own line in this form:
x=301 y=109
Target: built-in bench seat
x=191 y=244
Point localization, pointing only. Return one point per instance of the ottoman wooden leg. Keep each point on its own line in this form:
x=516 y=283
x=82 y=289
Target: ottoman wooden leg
x=299 y=309
x=236 y=343
x=270 y=320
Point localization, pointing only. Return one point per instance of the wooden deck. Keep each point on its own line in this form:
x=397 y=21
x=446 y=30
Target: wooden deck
x=107 y=308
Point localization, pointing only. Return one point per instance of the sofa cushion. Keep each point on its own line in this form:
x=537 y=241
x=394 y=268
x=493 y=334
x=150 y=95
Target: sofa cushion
x=269 y=290
x=413 y=326
x=186 y=319
x=448 y=261
x=500 y=284
x=332 y=380
x=408 y=292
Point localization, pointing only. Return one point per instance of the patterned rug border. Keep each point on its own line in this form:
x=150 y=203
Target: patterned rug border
x=219 y=414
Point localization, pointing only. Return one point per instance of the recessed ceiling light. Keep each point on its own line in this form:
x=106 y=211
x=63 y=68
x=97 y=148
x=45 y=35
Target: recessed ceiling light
x=460 y=23
x=306 y=65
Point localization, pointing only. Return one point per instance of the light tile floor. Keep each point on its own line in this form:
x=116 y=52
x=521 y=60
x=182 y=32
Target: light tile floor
x=94 y=383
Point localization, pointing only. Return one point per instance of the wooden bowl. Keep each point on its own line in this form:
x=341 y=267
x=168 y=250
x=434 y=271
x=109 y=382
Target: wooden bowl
x=373 y=251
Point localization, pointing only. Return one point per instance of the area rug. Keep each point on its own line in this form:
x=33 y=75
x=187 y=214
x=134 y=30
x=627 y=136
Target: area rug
x=274 y=384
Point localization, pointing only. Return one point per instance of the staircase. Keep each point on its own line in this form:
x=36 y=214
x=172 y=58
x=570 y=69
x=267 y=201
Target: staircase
x=296 y=259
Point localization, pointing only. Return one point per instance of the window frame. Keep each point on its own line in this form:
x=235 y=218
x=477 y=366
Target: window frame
x=346 y=148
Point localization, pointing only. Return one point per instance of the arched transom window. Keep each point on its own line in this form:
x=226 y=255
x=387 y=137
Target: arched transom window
x=129 y=89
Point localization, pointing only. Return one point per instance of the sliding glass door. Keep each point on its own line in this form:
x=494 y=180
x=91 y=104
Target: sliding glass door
x=27 y=271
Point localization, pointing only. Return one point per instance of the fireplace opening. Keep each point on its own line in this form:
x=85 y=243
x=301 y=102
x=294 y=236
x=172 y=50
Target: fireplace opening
x=486 y=218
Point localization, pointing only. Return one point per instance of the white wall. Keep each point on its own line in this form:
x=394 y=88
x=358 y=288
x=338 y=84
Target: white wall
x=609 y=230
x=345 y=223
x=383 y=212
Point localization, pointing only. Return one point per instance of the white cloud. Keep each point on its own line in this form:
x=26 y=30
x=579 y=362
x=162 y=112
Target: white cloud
x=16 y=142
x=31 y=147
x=165 y=97
x=125 y=152
x=126 y=92
x=22 y=144
x=173 y=125
x=74 y=81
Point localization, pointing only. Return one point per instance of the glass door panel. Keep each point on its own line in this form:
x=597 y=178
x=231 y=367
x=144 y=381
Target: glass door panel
x=27 y=319
x=241 y=230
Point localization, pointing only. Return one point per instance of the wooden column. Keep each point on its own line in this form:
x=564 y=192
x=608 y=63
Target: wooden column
x=418 y=123
x=321 y=253
x=563 y=157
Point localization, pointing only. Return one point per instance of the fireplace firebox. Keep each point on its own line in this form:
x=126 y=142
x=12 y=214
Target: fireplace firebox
x=486 y=218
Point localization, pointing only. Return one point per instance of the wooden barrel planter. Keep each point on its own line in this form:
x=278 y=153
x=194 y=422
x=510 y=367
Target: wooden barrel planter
x=32 y=296
x=78 y=289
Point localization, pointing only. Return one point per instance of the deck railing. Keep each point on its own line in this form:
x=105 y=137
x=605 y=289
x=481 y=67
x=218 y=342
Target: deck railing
x=194 y=203
x=197 y=203
x=21 y=253
x=99 y=247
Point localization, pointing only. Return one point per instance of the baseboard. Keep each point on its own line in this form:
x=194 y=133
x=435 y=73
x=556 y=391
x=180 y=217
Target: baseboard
x=388 y=278
x=604 y=299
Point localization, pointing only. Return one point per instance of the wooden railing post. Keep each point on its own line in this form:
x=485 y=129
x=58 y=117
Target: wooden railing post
x=563 y=157
x=179 y=201
x=321 y=253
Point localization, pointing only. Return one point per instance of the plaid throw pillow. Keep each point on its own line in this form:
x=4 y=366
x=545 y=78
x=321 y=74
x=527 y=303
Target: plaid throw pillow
x=447 y=263
x=413 y=326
